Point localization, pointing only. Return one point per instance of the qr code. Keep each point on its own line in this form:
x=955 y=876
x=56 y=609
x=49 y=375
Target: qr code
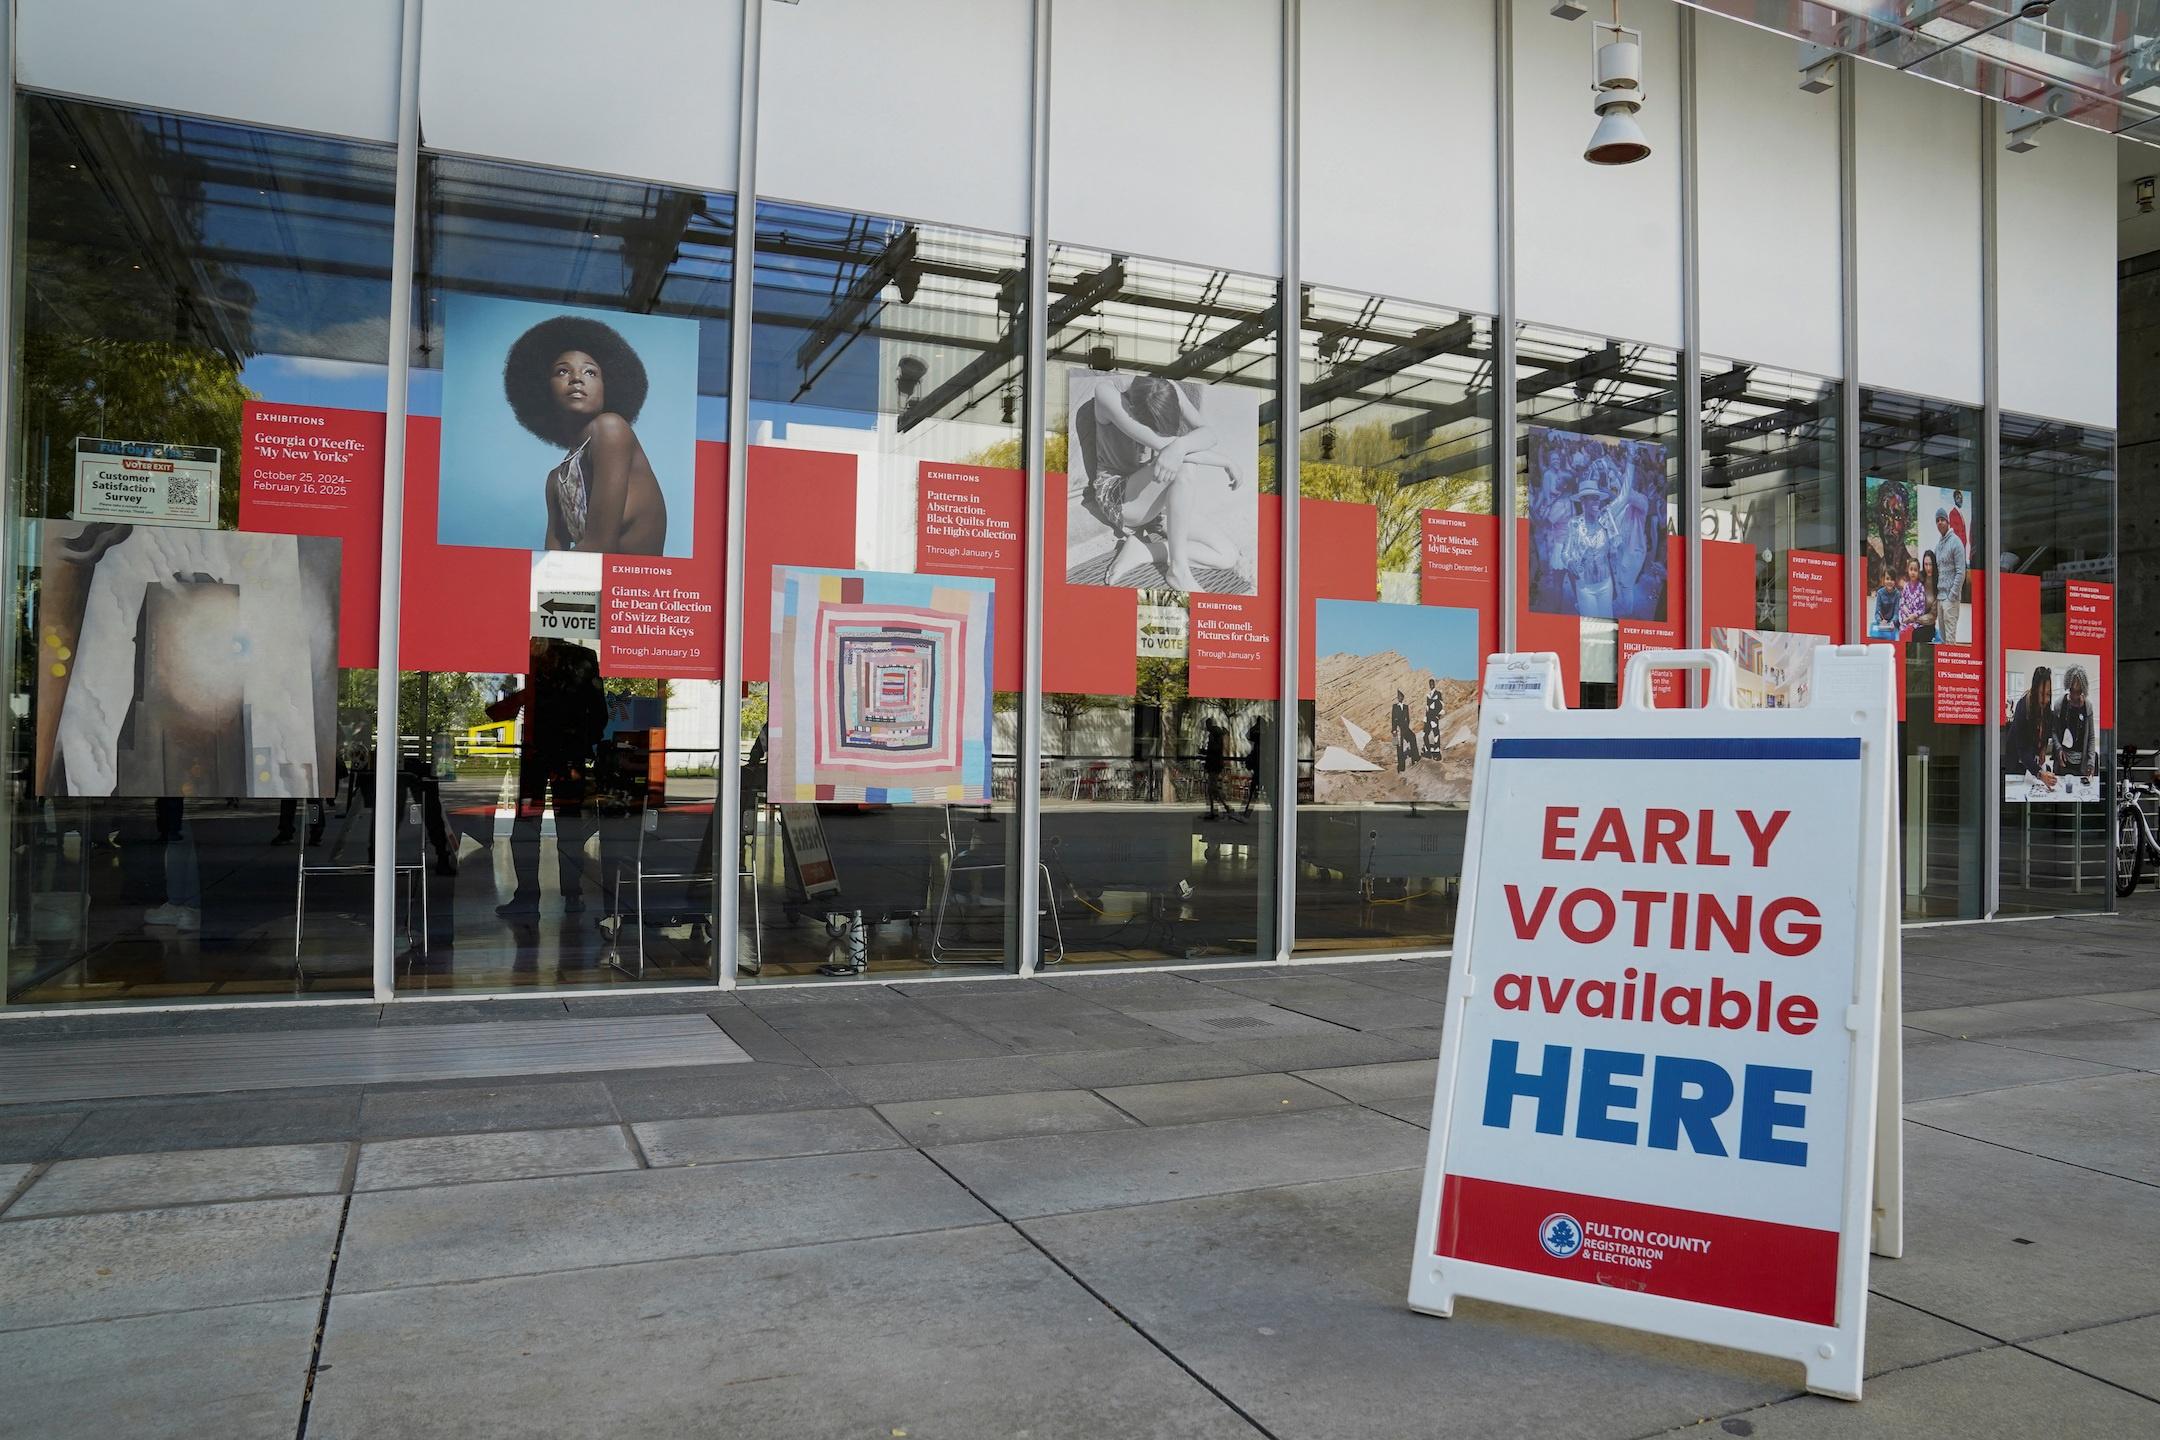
x=184 y=494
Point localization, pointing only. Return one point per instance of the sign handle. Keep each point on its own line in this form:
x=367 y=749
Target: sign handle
x=1643 y=664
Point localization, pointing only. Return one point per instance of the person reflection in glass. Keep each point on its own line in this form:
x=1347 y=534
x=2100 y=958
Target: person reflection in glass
x=565 y=710
x=575 y=383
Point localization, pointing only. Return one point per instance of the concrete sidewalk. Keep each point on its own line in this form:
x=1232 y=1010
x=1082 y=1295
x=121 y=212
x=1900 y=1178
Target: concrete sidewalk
x=1121 y=1206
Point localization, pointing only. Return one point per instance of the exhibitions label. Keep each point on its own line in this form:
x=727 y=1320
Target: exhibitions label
x=317 y=470
x=144 y=482
x=968 y=521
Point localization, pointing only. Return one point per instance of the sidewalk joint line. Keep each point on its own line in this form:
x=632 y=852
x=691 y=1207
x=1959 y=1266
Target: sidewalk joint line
x=322 y=1316
x=1103 y=1300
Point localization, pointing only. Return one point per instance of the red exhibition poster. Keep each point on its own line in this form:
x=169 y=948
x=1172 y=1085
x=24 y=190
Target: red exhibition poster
x=1231 y=639
x=1338 y=559
x=969 y=520
x=314 y=470
x=2089 y=629
x=1815 y=594
x=1958 y=688
x=1459 y=565
x=661 y=616
x=1090 y=632
x=801 y=511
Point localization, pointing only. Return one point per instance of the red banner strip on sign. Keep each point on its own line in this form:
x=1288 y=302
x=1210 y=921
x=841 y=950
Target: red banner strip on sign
x=1757 y=1266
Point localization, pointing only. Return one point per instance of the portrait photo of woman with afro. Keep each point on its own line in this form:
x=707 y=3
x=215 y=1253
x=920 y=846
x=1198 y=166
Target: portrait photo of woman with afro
x=567 y=431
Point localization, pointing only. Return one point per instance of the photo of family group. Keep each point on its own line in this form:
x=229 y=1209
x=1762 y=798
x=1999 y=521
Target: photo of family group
x=1775 y=668
x=1162 y=484
x=566 y=428
x=1919 y=562
x=183 y=663
x=1598 y=525
x=1395 y=713
x=2051 y=744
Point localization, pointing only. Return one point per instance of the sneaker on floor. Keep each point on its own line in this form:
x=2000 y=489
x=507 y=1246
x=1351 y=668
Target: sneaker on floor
x=180 y=917
x=518 y=905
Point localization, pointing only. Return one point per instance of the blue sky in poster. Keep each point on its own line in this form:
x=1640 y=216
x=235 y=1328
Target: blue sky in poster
x=1439 y=638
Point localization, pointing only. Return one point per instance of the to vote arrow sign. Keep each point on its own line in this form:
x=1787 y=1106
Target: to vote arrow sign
x=572 y=615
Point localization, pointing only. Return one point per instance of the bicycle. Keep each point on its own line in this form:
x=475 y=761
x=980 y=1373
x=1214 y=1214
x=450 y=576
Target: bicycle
x=2134 y=839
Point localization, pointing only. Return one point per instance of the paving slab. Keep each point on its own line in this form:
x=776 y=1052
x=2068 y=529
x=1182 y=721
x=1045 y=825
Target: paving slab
x=719 y=1139
x=1416 y=1110
x=1426 y=981
x=396 y=1238
x=2125 y=1354
x=1974 y=1022
x=1046 y=1022
x=722 y=1090
x=1999 y=1392
x=216 y=1124
x=1343 y=1001
x=2017 y=1246
x=1094 y=1069
x=1324 y=1052
x=235 y=1372
x=28 y=1139
x=496 y=1155
x=2106 y=1124
x=1230 y=1019
x=2133 y=1044
x=463 y=1109
x=11 y=1179
x=1937 y=1065
x=1186 y=1102
x=749 y=1029
x=996 y=1117
x=940 y=1079
x=970 y=1332
x=1051 y=1174
x=138 y=1262
x=1395 y=1080
x=2147 y=1000
x=1312 y=1338
x=833 y=1035
x=184 y=1177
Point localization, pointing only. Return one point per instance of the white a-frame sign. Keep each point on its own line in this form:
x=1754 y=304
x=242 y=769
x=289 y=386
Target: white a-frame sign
x=1669 y=1085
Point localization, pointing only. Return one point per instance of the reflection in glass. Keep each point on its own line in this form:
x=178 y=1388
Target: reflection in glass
x=1923 y=537
x=191 y=296
x=1600 y=561
x=1160 y=723
x=1401 y=572
x=885 y=536
x=559 y=715
x=2058 y=752
x=1771 y=525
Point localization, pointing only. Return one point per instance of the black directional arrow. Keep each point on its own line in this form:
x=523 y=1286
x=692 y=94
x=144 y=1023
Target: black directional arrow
x=564 y=607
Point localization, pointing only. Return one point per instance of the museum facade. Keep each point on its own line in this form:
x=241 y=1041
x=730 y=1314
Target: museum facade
x=510 y=496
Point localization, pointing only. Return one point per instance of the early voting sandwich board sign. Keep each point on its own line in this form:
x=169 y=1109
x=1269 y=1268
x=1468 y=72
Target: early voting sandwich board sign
x=1668 y=1089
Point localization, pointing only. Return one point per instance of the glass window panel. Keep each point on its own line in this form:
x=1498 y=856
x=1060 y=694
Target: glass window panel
x=1771 y=525
x=1161 y=609
x=1597 y=483
x=1923 y=553
x=1400 y=577
x=202 y=364
x=885 y=605
x=2057 y=635
x=561 y=726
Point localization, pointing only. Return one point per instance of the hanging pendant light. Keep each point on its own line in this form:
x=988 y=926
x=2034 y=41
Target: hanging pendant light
x=1617 y=85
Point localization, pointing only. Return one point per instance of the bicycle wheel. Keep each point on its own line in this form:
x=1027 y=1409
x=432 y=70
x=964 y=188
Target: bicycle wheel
x=2129 y=850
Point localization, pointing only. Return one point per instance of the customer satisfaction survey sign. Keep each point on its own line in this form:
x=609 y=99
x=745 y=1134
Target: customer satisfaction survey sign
x=1659 y=1087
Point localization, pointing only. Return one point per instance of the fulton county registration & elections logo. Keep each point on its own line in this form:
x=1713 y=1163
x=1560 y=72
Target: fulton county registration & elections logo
x=1560 y=1236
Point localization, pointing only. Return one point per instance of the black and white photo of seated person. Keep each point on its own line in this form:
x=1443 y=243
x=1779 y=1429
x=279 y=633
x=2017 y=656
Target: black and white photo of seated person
x=1164 y=485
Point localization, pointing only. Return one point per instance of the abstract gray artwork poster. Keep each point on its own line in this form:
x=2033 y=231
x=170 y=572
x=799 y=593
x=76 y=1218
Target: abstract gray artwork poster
x=179 y=663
